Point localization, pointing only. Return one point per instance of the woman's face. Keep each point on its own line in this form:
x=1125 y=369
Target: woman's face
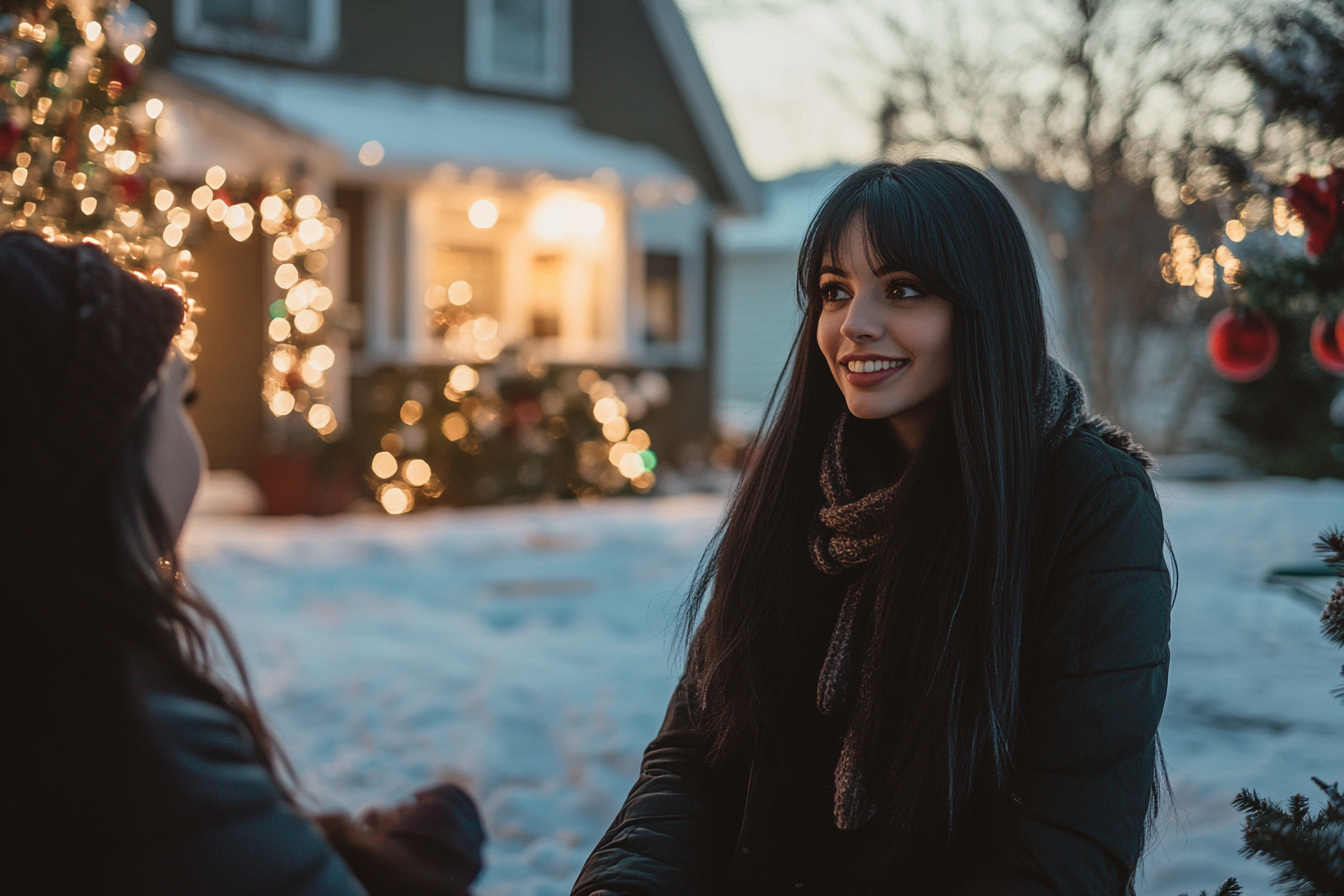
x=888 y=342
x=174 y=458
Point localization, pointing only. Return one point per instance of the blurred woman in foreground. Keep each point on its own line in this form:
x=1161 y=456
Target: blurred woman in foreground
x=132 y=765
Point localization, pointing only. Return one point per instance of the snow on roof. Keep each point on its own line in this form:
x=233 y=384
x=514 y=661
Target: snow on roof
x=788 y=206
x=420 y=126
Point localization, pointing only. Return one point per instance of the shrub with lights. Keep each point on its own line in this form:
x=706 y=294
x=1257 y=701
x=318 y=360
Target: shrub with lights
x=510 y=430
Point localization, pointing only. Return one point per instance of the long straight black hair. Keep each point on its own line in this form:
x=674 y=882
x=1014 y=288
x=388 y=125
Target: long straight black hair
x=945 y=628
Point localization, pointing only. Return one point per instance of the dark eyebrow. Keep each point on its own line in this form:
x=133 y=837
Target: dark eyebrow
x=832 y=269
x=894 y=269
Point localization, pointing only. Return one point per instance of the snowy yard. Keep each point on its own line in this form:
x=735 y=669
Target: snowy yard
x=526 y=652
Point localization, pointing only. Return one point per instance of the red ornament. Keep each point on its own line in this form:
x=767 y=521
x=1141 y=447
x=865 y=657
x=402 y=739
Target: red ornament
x=1326 y=345
x=10 y=134
x=1242 y=344
x=1317 y=201
x=132 y=187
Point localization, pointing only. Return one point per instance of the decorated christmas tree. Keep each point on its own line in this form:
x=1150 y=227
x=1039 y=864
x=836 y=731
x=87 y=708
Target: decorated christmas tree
x=1280 y=248
x=77 y=141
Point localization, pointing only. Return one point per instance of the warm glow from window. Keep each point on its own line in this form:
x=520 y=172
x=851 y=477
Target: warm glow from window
x=459 y=292
x=565 y=215
x=483 y=214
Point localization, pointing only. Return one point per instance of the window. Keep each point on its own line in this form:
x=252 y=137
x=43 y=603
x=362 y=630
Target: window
x=476 y=267
x=520 y=45
x=547 y=288
x=662 y=297
x=303 y=29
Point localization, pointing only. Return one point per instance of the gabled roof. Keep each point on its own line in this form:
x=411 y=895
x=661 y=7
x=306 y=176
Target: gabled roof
x=421 y=126
x=669 y=27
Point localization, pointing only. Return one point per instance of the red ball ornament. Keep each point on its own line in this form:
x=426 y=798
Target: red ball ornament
x=1242 y=344
x=1326 y=345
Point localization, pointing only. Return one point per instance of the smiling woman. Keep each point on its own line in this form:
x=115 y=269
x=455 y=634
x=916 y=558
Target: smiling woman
x=933 y=649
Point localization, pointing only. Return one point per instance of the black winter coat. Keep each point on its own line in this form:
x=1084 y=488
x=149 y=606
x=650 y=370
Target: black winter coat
x=1094 y=681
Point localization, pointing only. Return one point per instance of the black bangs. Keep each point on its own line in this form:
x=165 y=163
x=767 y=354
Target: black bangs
x=926 y=217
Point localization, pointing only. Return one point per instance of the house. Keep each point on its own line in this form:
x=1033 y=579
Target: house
x=565 y=158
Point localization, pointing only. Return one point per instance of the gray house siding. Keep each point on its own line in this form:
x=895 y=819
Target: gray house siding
x=622 y=84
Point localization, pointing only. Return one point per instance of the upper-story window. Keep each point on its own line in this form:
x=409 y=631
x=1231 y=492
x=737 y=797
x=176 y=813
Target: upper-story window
x=306 y=30
x=519 y=45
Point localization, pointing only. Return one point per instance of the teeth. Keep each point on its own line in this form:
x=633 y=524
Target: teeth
x=873 y=366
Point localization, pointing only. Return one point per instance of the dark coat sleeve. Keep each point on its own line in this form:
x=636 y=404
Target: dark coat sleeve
x=1092 y=698
x=217 y=823
x=674 y=834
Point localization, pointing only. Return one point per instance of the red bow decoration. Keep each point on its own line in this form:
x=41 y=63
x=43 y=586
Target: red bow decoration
x=1317 y=201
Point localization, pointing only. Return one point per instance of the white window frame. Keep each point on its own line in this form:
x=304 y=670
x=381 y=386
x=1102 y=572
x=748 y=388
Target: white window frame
x=324 y=16
x=481 y=71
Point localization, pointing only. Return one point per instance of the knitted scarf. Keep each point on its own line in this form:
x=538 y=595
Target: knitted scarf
x=849 y=531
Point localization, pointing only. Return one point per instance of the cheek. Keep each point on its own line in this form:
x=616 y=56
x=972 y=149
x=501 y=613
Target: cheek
x=828 y=333
x=175 y=461
x=930 y=336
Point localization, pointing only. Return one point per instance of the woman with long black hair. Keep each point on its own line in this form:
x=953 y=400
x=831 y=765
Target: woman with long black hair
x=134 y=760
x=928 y=649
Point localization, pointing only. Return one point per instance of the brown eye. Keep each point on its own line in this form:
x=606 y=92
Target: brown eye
x=907 y=291
x=831 y=292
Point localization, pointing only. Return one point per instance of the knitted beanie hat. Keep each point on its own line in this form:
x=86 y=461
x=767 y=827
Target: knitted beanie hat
x=80 y=341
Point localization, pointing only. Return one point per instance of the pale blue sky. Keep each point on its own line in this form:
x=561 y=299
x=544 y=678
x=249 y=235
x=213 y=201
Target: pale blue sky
x=793 y=99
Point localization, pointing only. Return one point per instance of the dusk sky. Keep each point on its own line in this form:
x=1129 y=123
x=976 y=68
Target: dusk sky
x=790 y=84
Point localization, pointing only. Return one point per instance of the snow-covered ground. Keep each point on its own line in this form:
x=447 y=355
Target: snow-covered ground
x=526 y=651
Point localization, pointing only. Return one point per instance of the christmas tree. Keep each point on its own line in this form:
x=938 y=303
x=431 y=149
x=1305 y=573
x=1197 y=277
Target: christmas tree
x=1280 y=249
x=77 y=142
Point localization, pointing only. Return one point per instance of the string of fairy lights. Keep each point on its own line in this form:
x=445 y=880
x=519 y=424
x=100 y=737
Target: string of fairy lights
x=1186 y=265
x=78 y=146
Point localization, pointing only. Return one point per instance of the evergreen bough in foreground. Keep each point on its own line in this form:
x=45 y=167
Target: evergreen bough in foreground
x=1305 y=850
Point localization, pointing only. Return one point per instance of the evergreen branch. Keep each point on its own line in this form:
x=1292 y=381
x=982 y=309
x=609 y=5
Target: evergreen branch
x=1306 y=851
x=1331 y=548
x=1229 y=887
x=1298 y=286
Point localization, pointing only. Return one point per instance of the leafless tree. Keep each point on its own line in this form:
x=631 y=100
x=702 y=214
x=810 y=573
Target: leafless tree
x=1091 y=108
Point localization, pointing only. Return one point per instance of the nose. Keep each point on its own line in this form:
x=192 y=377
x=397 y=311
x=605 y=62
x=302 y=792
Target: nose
x=862 y=321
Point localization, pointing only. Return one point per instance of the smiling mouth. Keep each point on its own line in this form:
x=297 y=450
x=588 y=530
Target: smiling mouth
x=876 y=366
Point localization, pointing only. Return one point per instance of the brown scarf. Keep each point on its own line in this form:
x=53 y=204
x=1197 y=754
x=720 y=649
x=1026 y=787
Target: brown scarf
x=850 y=530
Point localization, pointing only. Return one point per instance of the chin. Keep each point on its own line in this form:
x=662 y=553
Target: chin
x=871 y=407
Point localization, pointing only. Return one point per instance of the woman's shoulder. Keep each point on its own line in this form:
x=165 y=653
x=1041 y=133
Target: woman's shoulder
x=1099 y=509
x=1097 y=453
x=215 y=820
